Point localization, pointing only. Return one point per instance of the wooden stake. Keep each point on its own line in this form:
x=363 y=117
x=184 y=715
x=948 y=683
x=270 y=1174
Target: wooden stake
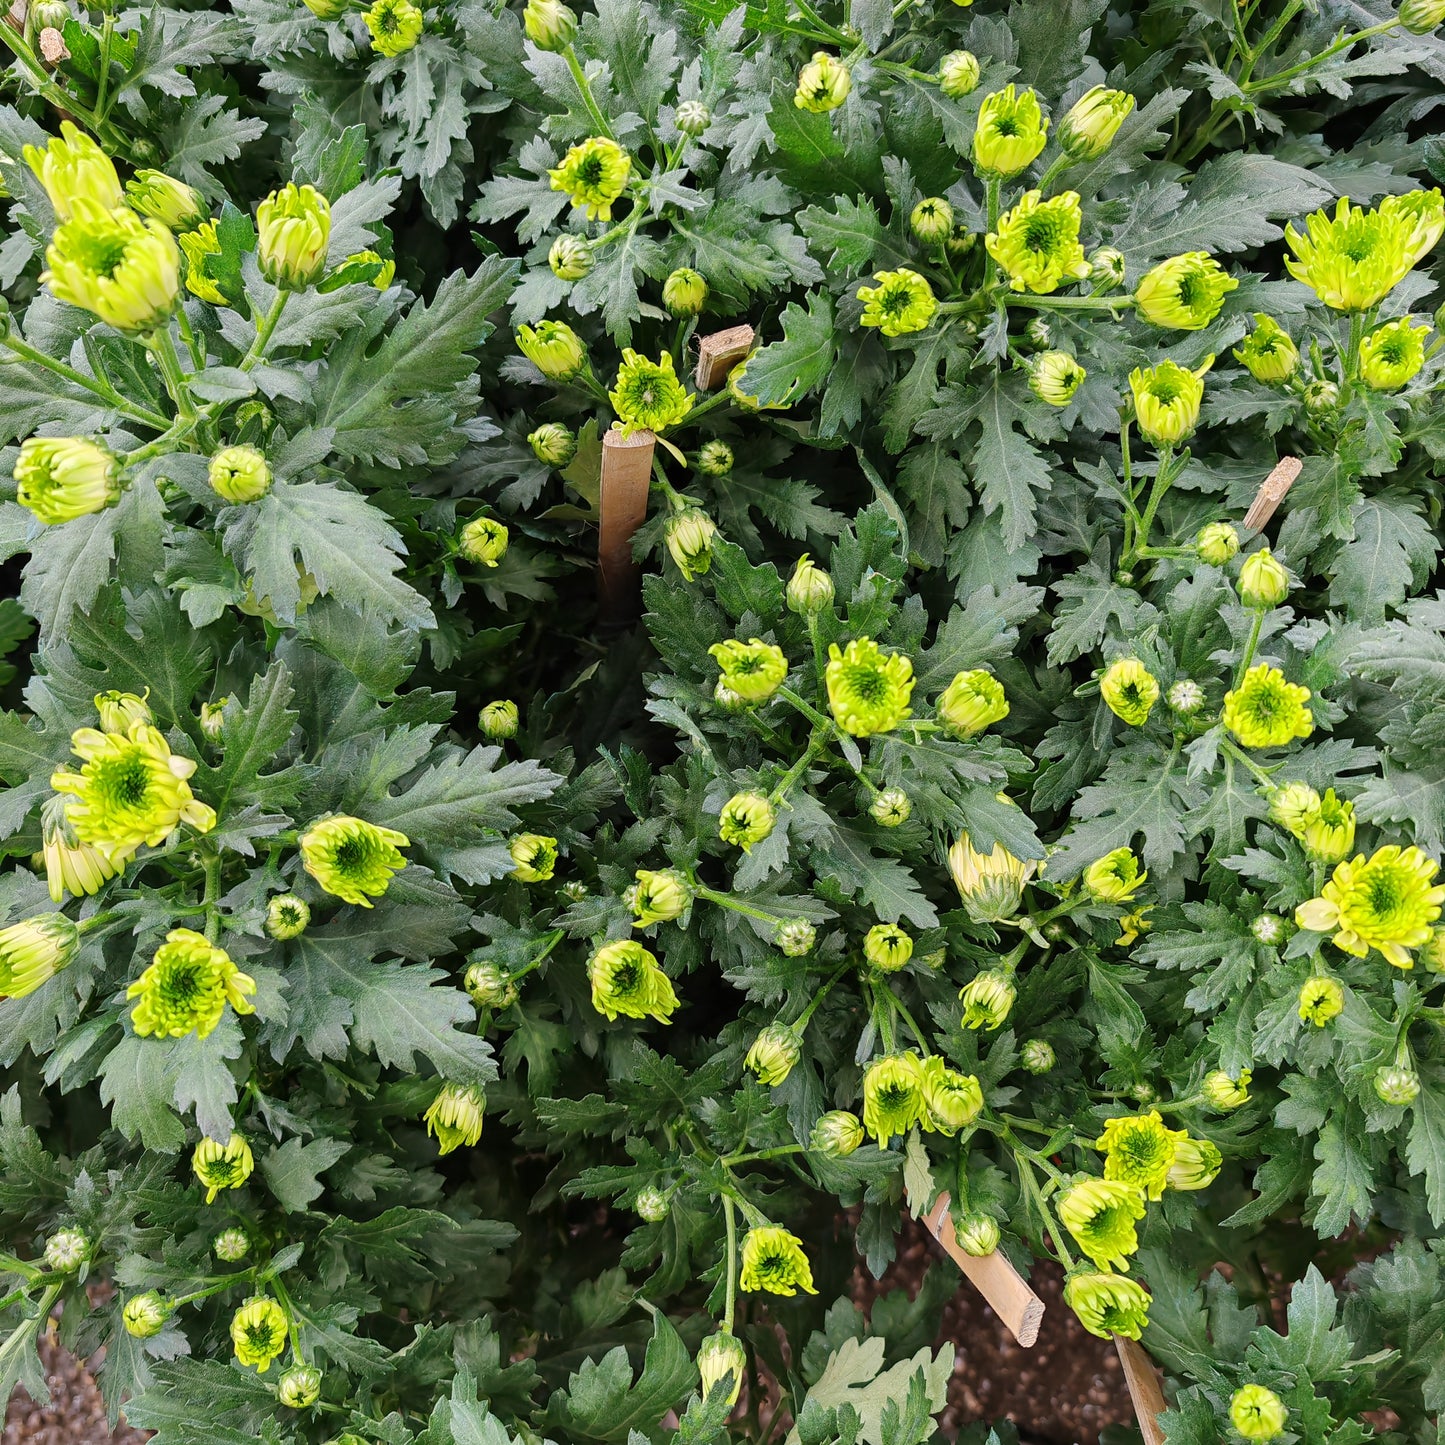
x=1144 y=1388
x=626 y=477
x=1271 y=492
x=1006 y=1290
x=719 y=353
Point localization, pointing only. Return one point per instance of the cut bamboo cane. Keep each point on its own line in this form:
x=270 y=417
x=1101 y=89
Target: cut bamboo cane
x=1144 y=1389
x=1005 y=1289
x=626 y=477
x=719 y=353
x=1271 y=492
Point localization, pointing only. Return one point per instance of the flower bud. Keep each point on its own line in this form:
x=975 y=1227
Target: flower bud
x=490 y=985
x=549 y=24
x=1167 y=399
x=1106 y=268
x=1268 y=353
x=1396 y=1084
x=484 y=540
x=773 y=1054
x=173 y=203
x=1216 y=543
x=652 y=1204
x=714 y=459
x=553 y=444
x=1129 y=690
x=837 y=1134
x=395 y=26
x=570 y=258
x=1263 y=582
x=978 y=1234
x=887 y=947
x=692 y=118
x=823 y=84
x=1392 y=354
x=960 y=242
x=810 y=588
x=293 y=229
x=74 y=170
x=1292 y=805
x=1420 y=17
x=499 y=720
x=1011 y=131
x=231 y=1246
x=287 y=916
x=553 y=348
x=662 y=895
x=213 y=718
x=684 y=293
x=1321 y=999
x=973 y=701
x=746 y=819
x=1196 y=1164
x=1054 y=377
x=1258 y=1413
x=48 y=15
x=1088 y=130
x=574 y=889
x=1114 y=878
x=722 y=1357
x=239 y=475
x=119 y=712
x=328 y=9
x=958 y=74
x=890 y=808
x=34 y=950
x=1038 y=332
x=1224 y=1093
x=796 y=937
x=66 y=1250
x=62 y=478
x=145 y=1315
x=987 y=999
x=1186 y=697
x=1037 y=1056
x=991 y=885
x=932 y=220
x=690 y=535
x=1321 y=397
x=299 y=1387
x=1329 y=831
x=534 y=857
x=1268 y=929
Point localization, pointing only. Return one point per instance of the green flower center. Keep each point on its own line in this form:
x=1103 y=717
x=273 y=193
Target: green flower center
x=1164 y=390
x=261 y=1338
x=181 y=985
x=126 y=781
x=350 y=856
x=867 y=684
x=100 y=252
x=895 y=300
x=590 y=172
x=1044 y=232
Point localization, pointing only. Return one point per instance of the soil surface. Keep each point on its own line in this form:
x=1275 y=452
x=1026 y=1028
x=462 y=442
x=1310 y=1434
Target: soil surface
x=75 y=1415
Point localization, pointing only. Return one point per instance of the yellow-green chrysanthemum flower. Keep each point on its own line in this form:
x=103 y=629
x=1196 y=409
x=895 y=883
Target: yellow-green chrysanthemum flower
x=1011 y=131
x=660 y=896
x=145 y=1315
x=1089 y=128
x=1139 y=1150
x=72 y=168
x=931 y=220
x=553 y=348
x=810 y=588
x=33 y=951
x=648 y=395
x=70 y=866
x=893 y=1099
x=1321 y=998
x=124 y=270
x=1101 y=1214
x=628 y=982
x=1167 y=399
x=1264 y=581
x=593 y=174
x=131 y=790
x=868 y=689
x=187 y=987
x=773 y=1053
x=951 y=1100
x=973 y=701
x=1225 y=1093
x=1197 y=1163
x=1426 y=212
x=1266 y=710
x=746 y=818
x=900 y=303
x=177 y=206
x=196 y=246
x=534 y=857
x=258 y=1331
x=988 y=998
x=1328 y=834
x=395 y=26
x=62 y=478
x=1185 y=292
x=773 y=1260
x=1268 y=353
x=1393 y=353
x=293 y=229
x=1054 y=377
x=823 y=84
x=1130 y=690
x=352 y=859
x=1257 y=1412
x=1116 y=877
x=121 y=711
x=753 y=670
x=1387 y=902
x=1355 y=258
x=239 y=475
x=1108 y=1304
x=455 y=1116
x=1037 y=243
x=222 y=1166
x=991 y=885
x=690 y=534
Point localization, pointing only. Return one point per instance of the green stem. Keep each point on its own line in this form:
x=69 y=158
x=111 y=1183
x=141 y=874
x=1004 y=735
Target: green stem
x=553 y=939
x=585 y=90
x=1060 y=164
x=1250 y=646
x=991 y=194
x=726 y=900
x=97 y=387
x=1162 y=480
x=730 y=1220
x=1270 y=82
x=816 y=744
x=102 y=79
x=801 y=1022
x=213 y=888
x=1031 y=1190
x=263 y=332
x=902 y=1010
x=760 y=1155
x=163 y=348
x=1070 y=303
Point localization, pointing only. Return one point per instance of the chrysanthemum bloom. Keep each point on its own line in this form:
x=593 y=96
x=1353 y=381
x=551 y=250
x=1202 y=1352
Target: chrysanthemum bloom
x=1139 y=1150
x=72 y=167
x=1130 y=690
x=714 y=459
x=1185 y=292
x=593 y=174
x=300 y=1387
x=1293 y=805
x=293 y=229
x=1267 y=352
x=796 y=937
x=746 y=818
x=1011 y=131
x=1054 y=377
x=823 y=84
x=1088 y=130
x=1116 y=877
x=1225 y=1093
x=988 y=997
x=1167 y=399
x=549 y=24
x=1257 y=1412
x=891 y=808
x=684 y=293
x=1100 y=1214
x=120 y=711
x=773 y=1053
x=931 y=220
x=287 y=916
x=977 y=1234
x=484 y=540
x=196 y=246
x=1425 y=210
x=1108 y=1304
x=231 y=1246
x=66 y=1250
x=868 y=689
x=1037 y=243
x=131 y=789
x=352 y=859
x=900 y=303
x=570 y=257
x=1396 y=1084
x=721 y=1360
x=33 y=951
x=239 y=475
x=455 y=1116
x=662 y=894
x=1266 y=710
x=1037 y=1056
x=1329 y=830
x=145 y=1315
x=1391 y=354
x=553 y=348
x=395 y=26
x=1387 y=902
x=893 y=1096
x=123 y=269
x=187 y=987
x=258 y=1331
x=1107 y=268
x=958 y=74
x=1354 y=259
x=991 y=885
x=951 y=1100
x=1263 y=581
x=836 y=1134
x=222 y=1166
x=1321 y=999
x=534 y=857
x=973 y=701
x=70 y=866
x=648 y=395
x=773 y=1260
x=754 y=670
x=887 y=947
x=1197 y=1163
x=628 y=982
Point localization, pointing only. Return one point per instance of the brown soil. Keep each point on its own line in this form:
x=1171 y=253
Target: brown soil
x=75 y=1415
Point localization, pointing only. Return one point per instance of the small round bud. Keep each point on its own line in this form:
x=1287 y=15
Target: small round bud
x=973 y=701
x=1321 y=998
x=958 y=74
x=960 y=242
x=575 y=890
x=932 y=220
x=552 y=444
x=231 y=1245
x=66 y=1250
x=987 y=998
x=722 y=1357
x=1420 y=17
x=327 y=9
x=1268 y=352
x=1054 y=377
x=890 y=808
x=62 y=478
x=796 y=937
x=49 y=15
x=823 y=84
x=534 y=856
x=746 y=819
x=653 y=1204
x=978 y=1234
x=287 y=916
x=299 y=1387
x=1268 y=929
x=658 y=896
x=1106 y=268
x=837 y=1134
x=213 y=718
x=1186 y=696
x=145 y=1315
x=570 y=258
x=293 y=229
x=549 y=24
x=1037 y=332
x=1143 y=1092
x=1258 y=1413
x=1321 y=397
x=1224 y=1093
x=692 y=118
x=690 y=534
x=727 y=699
x=499 y=720
x=1263 y=582
x=239 y=474
x=1216 y=543
x=1037 y=1056
x=810 y=588
x=714 y=459
x=684 y=293
x=1396 y=1084
x=490 y=985
x=484 y=540
x=887 y=947
x=773 y=1054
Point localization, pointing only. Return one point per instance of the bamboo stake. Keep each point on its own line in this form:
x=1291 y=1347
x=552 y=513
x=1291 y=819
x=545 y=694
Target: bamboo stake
x=1144 y=1388
x=1271 y=492
x=719 y=353
x=1005 y=1289
x=626 y=477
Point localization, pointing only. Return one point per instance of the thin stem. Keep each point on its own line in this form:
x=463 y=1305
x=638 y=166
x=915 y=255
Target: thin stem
x=1269 y=82
x=584 y=88
x=730 y=1220
x=97 y=387
x=902 y=1009
x=726 y=900
x=1250 y=646
x=213 y=888
x=263 y=332
x=760 y=1155
x=816 y=744
x=801 y=1022
x=163 y=348
x=193 y=346
x=552 y=941
x=991 y=193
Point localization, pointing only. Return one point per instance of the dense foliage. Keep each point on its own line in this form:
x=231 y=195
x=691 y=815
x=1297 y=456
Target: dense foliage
x=453 y=1015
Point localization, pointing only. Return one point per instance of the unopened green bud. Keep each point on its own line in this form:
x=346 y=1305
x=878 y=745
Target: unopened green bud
x=173 y=203
x=714 y=459
x=837 y=1134
x=1268 y=353
x=810 y=588
x=327 y=9
x=973 y=701
x=823 y=84
x=1268 y=929
x=549 y=24
x=887 y=947
x=48 y=15
x=987 y=999
x=1321 y=397
x=499 y=720
x=684 y=293
x=1396 y=1084
x=1216 y=542
x=570 y=258
x=59 y=479
x=1224 y=1093
x=960 y=241
x=490 y=985
x=119 y=712
x=1186 y=696
x=231 y=1246
x=287 y=916
x=1263 y=582
x=773 y=1054
x=890 y=808
x=1258 y=1413
x=932 y=220
x=746 y=819
x=553 y=444
x=690 y=535
x=1038 y=332
x=66 y=1250
x=722 y=1357
x=1088 y=130
x=1037 y=1056
x=484 y=540
x=796 y=937
x=692 y=118
x=213 y=717
x=661 y=895
x=300 y=1387
x=145 y=1315
x=293 y=229
x=553 y=348
x=1054 y=377
x=239 y=475
x=1321 y=998
x=1420 y=17
x=653 y=1204
x=978 y=1234
x=1106 y=268
x=958 y=74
